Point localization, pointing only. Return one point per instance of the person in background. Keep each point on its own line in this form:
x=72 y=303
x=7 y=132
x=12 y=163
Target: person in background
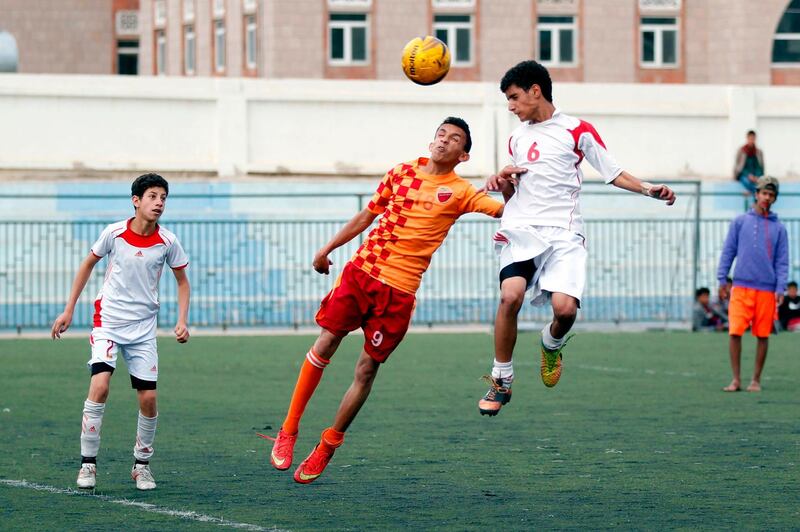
x=789 y=311
x=705 y=317
x=758 y=242
x=749 y=164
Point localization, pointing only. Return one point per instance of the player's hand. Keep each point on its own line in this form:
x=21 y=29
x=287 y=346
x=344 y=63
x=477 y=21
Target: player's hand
x=723 y=292
x=779 y=299
x=508 y=176
x=62 y=323
x=663 y=193
x=181 y=333
x=322 y=264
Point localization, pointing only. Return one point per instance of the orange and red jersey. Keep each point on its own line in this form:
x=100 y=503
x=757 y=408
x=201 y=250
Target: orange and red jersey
x=418 y=210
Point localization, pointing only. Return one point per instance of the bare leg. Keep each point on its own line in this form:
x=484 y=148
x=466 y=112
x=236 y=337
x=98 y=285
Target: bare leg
x=326 y=344
x=355 y=396
x=512 y=295
x=735 y=347
x=761 y=358
x=98 y=387
x=565 y=310
x=147 y=402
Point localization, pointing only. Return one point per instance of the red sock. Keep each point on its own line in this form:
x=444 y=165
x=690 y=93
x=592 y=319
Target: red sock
x=331 y=439
x=310 y=375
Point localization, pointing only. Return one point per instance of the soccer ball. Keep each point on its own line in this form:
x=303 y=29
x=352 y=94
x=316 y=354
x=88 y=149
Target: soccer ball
x=426 y=60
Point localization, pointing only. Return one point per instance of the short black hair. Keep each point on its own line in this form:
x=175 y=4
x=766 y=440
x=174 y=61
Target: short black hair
x=461 y=124
x=751 y=132
x=527 y=74
x=702 y=291
x=791 y=284
x=145 y=181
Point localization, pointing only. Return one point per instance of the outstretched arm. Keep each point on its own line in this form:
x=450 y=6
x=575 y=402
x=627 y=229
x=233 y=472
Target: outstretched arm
x=181 y=328
x=64 y=320
x=626 y=181
x=504 y=181
x=348 y=232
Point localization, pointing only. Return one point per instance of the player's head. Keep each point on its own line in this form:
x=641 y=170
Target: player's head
x=791 y=289
x=526 y=86
x=702 y=295
x=452 y=142
x=751 y=137
x=149 y=194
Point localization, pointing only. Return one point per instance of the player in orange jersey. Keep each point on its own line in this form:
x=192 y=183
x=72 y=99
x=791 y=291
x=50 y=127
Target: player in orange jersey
x=418 y=202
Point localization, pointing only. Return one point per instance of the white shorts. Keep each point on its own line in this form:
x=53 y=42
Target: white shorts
x=558 y=254
x=136 y=341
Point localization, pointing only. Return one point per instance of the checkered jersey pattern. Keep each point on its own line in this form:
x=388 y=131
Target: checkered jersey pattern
x=417 y=210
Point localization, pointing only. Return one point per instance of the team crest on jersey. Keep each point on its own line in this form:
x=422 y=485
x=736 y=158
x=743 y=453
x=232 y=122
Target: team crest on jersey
x=443 y=194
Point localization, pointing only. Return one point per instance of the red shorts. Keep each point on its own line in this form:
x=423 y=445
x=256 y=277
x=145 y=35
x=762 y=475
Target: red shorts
x=358 y=300
x=751 y=308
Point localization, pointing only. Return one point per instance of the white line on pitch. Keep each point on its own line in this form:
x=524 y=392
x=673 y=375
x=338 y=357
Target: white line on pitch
x=147 y=507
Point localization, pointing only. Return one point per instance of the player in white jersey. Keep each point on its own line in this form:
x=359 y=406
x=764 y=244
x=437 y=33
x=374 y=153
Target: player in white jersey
x=541 y=243
x=126 y=310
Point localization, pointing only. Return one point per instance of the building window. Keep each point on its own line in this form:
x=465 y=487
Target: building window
x=159 y=13
x=786 y=47
x=128 y=58
x=347 y=33
x=161 y=52
x=456 y=32
x=188 y=10
x=219 y=46
x=189 y=51
x=250 y=42
x=557 y=40
x=659 y=38
x=248 y=6
x=219 y=8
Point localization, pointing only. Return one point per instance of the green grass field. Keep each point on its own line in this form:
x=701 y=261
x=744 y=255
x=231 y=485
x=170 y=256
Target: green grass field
x=637 y=435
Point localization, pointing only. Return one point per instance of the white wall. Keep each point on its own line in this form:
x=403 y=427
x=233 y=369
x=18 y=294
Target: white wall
x=235 y=126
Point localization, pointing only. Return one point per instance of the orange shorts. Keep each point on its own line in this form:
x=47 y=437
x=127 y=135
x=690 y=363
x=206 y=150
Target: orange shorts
x=751 y=308
x=358 y=300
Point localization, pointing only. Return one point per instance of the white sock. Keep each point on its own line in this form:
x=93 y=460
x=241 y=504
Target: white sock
x=503 y=371
x=549 y=341
x=145 y=435
x=90 y=428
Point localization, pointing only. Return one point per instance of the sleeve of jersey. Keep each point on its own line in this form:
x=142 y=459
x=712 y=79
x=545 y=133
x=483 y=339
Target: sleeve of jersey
x=176 y=257
x=380 y=200
x=595 y=152
x=102 y=246
x=481 y=202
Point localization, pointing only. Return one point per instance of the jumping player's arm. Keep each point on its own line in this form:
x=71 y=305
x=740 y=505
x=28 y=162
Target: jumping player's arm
x=479 y=201
x=348 y=232
x=181 y=328
x=64 y=320
x=626 y=181
x=504 y=181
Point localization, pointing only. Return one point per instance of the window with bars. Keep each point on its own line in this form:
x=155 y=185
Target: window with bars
x=189 y=51
x=786 y=46
x=348 y=37
x=161 y=52
x=557 y=38
x=456 y=32
x=250 y=42
x=659 y=42
x=219 y=46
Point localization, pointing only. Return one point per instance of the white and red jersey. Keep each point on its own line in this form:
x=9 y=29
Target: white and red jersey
x=130 y=289
x=548 y=194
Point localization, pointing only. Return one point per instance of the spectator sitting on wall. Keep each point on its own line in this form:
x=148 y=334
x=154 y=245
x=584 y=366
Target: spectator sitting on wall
x=749 y=164
x=789 y=311
x=704 y=316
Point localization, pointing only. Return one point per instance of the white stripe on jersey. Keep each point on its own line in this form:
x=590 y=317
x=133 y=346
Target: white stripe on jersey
x=548 y=194
x=135 y=262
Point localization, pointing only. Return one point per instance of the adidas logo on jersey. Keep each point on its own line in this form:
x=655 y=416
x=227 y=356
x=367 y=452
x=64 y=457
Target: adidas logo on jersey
x=139 y=254
x=154 y=369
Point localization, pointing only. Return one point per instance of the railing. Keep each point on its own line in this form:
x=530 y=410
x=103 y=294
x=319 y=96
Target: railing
x=258 y=274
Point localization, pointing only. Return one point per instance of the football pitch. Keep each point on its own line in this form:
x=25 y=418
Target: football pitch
x=637 y=435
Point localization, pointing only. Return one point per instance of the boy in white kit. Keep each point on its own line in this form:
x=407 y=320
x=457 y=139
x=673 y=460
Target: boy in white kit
x=541 y=242
x=126 y=311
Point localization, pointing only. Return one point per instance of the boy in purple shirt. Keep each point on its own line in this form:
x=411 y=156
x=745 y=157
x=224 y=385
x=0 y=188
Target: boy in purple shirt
x=758 y=242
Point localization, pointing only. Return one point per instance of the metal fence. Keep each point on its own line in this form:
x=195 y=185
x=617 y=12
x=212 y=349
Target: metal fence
x=257 y=273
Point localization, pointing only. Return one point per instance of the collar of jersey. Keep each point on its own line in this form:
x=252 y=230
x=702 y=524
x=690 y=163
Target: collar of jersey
x=141 y=241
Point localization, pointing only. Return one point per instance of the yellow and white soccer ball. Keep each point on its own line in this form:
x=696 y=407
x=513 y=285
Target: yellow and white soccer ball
x=426 y=60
